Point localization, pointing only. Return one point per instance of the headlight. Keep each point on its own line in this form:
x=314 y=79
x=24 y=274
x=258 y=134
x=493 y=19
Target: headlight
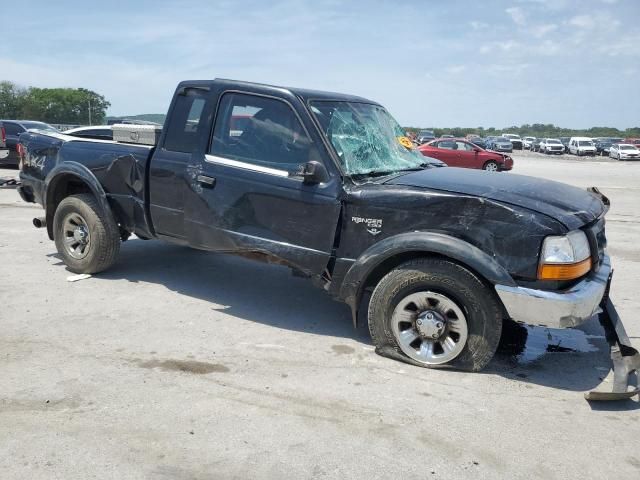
x=565 y=258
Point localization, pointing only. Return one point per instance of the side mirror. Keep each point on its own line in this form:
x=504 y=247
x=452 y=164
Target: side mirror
x=314 y=172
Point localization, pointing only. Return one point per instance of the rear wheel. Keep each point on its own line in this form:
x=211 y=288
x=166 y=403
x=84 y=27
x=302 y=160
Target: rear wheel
x=86 y=237
x=432 y=313
x=490 y=166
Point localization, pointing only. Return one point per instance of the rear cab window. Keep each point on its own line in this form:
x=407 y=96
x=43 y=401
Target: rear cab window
x=185 y=122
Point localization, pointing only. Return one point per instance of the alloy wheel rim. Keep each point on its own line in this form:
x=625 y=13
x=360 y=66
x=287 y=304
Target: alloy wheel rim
x=77 y=239
x=429 y=327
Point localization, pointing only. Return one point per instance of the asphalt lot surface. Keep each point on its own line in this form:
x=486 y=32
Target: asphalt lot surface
x=179 y=364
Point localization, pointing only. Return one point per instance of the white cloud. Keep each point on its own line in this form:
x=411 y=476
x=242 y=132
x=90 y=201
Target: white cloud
x=540 y=31
x=456 y=69
x=507 y=46
x=582 y=21
x=517 y=15
x=478 y=25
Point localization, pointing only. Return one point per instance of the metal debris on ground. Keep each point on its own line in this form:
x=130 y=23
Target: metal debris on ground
x=75 y=278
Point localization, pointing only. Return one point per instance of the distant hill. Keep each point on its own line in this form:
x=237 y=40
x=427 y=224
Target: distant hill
x=148 y=117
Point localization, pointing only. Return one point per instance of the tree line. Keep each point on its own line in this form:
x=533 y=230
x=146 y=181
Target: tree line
x=538 y=130
x=72 y=106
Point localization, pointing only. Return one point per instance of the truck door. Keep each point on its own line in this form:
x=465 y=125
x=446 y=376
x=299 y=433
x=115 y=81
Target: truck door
x=251 y=198
x=170 y=165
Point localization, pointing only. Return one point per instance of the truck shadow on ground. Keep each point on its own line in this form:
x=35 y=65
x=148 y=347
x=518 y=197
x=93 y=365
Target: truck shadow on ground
x=574 y=360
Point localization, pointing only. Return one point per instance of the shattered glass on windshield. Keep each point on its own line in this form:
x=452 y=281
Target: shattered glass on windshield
x=366 y=138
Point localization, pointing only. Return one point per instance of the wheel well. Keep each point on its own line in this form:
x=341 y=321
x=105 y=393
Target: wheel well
x=64 y=186
x=389 y=264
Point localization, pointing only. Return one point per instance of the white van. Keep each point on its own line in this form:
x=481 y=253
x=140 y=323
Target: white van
x=581 y=146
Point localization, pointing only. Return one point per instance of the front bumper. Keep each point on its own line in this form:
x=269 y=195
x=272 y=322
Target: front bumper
x=564 y=309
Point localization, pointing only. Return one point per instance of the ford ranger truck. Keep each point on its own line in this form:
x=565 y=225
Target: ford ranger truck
x=434 y=258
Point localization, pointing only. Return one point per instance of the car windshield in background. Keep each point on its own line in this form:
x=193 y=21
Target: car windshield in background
x=366 y=137
x=38 y=126
x=585 y=143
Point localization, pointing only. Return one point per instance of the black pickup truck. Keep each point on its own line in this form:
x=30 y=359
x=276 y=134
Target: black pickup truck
x=328 y=185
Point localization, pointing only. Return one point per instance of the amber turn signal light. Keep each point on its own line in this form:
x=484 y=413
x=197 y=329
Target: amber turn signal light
x=564 y=271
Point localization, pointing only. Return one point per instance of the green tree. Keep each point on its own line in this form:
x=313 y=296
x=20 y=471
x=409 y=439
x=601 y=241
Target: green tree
x=11 y=100
x=65 y=105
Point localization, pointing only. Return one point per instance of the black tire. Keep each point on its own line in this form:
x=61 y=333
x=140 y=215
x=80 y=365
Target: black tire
x=476 y=300
x=103 y=232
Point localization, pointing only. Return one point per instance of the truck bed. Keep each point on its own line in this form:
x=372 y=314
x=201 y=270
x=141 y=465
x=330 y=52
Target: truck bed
x=120 y=168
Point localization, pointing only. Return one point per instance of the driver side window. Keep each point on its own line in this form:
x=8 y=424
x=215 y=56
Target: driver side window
x=260 y=131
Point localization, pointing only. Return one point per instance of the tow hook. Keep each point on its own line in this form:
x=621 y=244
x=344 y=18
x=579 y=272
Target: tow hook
x=626 y=359
x=40 y=222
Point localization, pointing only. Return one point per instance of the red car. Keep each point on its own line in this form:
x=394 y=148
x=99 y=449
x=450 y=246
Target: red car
x=632 y=141
x=456 y=152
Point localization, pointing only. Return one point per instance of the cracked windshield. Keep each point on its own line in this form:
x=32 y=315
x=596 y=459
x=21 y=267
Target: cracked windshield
x=367 y=139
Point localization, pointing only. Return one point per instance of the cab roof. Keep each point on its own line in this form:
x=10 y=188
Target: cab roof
x=303 y=93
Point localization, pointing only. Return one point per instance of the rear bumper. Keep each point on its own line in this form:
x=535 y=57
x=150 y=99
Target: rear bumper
x=563 y=309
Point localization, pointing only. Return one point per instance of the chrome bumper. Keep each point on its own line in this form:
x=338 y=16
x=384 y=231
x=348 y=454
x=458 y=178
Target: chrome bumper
x=568 y=308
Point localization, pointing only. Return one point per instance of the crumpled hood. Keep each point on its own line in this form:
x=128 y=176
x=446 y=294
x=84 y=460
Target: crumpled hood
x=569 y=205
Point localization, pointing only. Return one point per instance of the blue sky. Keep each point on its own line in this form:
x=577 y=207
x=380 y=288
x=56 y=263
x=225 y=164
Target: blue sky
x=431 y=63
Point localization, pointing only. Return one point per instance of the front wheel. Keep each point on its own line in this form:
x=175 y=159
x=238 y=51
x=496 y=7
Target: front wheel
x=87 y=238
x=490 y=166
x=432 y=313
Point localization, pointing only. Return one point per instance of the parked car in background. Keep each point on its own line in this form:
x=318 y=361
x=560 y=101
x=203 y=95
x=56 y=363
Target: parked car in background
x=603 y=146
x=500 y=144
x=581 y=146
x=535 y=145
x=425 y=136
x=551 y=145
x=478 y=142
x=457 y=152
x=13 y=129
x=629 y=141
x=4 y=151
x=527 y=142
x=624 y=151
x=515 y=140
x=97 y=132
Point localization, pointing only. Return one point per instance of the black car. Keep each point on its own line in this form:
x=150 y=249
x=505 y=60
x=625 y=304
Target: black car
x=535 y=145
x=478 y=141
x=602 y=147
x=13 y=129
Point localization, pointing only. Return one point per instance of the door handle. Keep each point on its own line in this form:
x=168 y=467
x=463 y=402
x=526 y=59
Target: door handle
x=206 y=181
